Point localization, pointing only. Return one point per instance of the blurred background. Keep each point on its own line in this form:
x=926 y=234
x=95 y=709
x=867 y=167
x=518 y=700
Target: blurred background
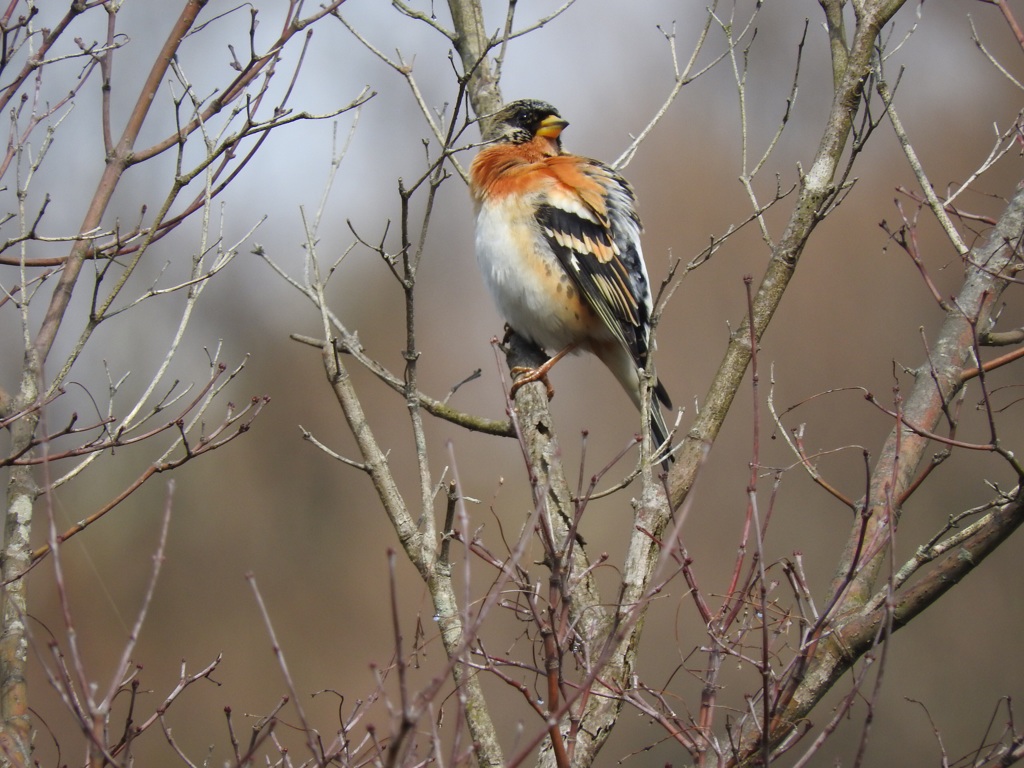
x=310 y=529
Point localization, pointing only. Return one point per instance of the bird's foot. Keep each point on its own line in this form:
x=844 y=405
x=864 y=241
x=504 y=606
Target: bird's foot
x=523 y=375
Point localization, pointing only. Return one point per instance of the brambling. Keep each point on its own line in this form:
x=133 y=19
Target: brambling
x=558 y=242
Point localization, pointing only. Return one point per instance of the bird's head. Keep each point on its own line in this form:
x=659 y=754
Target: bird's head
x=522 y=121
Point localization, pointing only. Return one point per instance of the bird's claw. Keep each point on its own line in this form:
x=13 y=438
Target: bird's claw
x=525 y=375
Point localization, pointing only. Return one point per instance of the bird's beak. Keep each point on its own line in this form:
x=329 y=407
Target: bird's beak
x=551 y=126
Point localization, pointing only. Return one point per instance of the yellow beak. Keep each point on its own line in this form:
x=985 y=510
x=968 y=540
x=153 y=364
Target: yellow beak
x=551 y=126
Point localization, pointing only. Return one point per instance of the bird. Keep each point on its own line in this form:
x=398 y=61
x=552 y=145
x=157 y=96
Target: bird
x=558 y=244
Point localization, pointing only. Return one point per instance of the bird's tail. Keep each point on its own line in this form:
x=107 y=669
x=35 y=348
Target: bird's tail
x=621 y=364
x=659 y=429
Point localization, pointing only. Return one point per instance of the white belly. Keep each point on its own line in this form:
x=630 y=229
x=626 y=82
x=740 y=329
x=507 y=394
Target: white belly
x=531 y=289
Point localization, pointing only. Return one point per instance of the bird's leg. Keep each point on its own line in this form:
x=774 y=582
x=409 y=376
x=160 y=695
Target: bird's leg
x=524 y=375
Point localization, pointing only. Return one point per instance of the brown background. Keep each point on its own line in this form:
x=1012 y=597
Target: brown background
x=309 y=529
